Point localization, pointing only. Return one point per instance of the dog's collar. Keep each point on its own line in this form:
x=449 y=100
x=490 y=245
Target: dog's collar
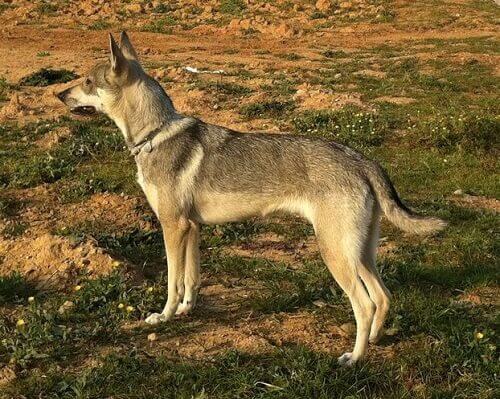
x=147 y=142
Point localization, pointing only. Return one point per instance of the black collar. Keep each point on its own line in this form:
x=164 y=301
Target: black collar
x=147 y=142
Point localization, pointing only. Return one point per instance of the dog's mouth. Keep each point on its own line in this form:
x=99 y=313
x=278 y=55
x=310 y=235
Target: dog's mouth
x=84 y=110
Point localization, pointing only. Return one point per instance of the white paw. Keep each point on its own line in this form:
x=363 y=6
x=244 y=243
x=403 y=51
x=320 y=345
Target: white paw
x=155 y=318
x=184 y=308
x=346 y=359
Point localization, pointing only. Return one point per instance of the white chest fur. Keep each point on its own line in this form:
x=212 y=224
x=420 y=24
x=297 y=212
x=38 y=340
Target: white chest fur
x=150 y=190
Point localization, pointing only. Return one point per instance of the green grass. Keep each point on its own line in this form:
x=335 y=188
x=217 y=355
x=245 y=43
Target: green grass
x=162 y=25
x=442 y=345
x=352 y=127
x=46 y=77
x=267 y=109
x=232 y=7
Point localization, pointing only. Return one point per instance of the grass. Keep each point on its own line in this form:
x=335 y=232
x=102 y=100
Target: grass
x=352 y=127
x=267 y=109
x=443 y=317
x=46 y=77
x=232 y=7
x=161 y=25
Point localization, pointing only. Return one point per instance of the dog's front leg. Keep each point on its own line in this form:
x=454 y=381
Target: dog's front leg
x=192 y=269
x=175 y=234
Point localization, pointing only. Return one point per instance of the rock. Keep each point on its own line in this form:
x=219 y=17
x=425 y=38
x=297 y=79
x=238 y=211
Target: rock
x=134 y=8
x=323 y=5
x=458 y=192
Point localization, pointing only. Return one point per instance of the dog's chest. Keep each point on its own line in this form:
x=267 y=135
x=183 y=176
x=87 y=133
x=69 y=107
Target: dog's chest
x=150 y=190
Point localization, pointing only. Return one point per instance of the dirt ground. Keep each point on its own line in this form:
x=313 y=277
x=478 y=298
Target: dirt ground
x=282 y=37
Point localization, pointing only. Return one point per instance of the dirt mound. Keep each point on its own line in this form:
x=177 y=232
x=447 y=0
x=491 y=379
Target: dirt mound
x=51 y=261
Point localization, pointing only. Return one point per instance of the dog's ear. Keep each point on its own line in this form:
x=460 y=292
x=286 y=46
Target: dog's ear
x=127 y=48
x=119 y=63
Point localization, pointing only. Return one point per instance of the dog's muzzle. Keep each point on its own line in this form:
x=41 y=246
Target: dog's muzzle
x=79 y=110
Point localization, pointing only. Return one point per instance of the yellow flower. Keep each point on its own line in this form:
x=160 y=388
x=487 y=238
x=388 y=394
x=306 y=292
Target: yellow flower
x=121 y=306
x=77 y=288
x=150 y=289
x=20 y=323
x=116 y=263
x=129 y=309
x=479 y=335
x=31 y=299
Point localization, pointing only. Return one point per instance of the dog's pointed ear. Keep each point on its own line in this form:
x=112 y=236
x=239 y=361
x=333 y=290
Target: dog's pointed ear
x=118 y=61
x=127 y=48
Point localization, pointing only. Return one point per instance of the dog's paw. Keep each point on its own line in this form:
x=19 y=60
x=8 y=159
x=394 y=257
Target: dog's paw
x=184 y=308
x=347 y=360
x=156 y=318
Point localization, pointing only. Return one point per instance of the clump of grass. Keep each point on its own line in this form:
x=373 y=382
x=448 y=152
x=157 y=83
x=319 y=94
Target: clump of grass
x=43 y=54
x=226 y=88
x=462 y=132
x=4 y=89
x=267 y=109
x=15 y=229
x=100 y=24
x=162 y=25
x=290 y=56
x=9 y=207
x=47 y=7
x=350 y=126
x=233 y=7
x=14 y=288
x=46 y=77
x=334 y=54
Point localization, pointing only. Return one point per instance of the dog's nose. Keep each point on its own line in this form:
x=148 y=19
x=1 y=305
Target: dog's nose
x=62 y=95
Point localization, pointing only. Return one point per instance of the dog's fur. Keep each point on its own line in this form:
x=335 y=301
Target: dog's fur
x=193 y=172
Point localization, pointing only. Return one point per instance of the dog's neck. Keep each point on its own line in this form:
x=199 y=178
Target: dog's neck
x=142 y=110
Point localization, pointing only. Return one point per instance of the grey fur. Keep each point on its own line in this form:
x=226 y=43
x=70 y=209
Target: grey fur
x=193 y=172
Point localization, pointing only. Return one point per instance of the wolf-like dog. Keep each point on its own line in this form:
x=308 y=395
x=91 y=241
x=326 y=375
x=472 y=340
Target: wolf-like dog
x=193 y=172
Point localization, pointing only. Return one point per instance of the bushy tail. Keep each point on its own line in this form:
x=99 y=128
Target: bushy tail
x=395 y=210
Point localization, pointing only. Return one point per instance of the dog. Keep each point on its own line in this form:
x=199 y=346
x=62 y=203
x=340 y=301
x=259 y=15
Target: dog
x=195 y=173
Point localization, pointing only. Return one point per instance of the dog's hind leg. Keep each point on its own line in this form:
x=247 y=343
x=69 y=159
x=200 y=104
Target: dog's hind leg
x=175 y=235
x=192 y=270
x=378 y=292
x=340 y=239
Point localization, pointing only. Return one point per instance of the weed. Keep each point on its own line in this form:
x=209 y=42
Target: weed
x=43 y=54
x=46 y=7
x=268 y=109
x=350 y=126
x=100 y=24
x=226 y=88
x=46 y=77
x=14 y=229
x=233 y=7
x=14 y=288
x=162 y=25
x=4 y=89
x=467 y=132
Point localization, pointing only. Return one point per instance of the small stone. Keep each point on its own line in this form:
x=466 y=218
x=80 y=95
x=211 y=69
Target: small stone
x=323 y=5
x=458 y=192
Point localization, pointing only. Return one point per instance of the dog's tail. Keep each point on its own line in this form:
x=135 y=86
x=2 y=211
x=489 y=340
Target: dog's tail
x=394 y=209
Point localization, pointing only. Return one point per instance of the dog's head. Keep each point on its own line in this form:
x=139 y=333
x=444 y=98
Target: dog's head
x=103 y=86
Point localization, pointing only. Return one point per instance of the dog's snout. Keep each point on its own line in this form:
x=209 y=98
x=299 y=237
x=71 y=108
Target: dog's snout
x=62 y=95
